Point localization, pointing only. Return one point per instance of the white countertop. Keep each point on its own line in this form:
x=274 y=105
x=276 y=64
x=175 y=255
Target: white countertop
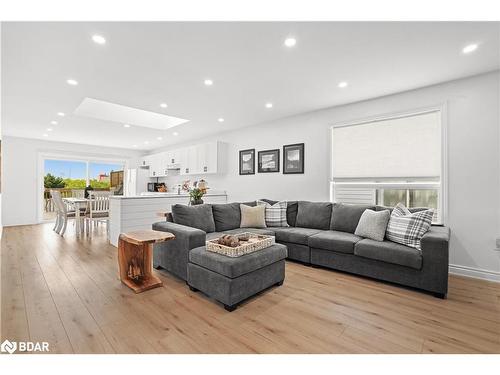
x=164 y=195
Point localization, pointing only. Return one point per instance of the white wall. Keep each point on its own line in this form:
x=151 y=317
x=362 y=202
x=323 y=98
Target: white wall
x=473 y=161
x=20 y=195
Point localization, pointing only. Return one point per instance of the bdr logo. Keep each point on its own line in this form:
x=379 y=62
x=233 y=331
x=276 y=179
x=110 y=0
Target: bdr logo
x=24 y=346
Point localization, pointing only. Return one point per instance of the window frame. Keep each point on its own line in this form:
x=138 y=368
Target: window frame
x=400 y=183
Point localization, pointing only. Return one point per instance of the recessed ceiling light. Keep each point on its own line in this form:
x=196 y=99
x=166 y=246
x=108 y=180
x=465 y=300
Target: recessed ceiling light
x=269 y=105
x=290 y=42
x=220 y=119
x=61 y=114
x=45 y=135
x=470 y=48
x=72 y=82
x=342 y=84
x=134 y=145
x=146 y=142
x=208 y=82
x=99 y=39
x=53 y=122
x=163 y=105
x=126 y=125
x=159 y=138
x=49 y=129
x=175 y=134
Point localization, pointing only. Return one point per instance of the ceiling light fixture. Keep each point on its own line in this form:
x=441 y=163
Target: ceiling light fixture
x=99 y=39
x=290 y=42
x=220 y=119
x=159 y=138
x=126 y=125
x=49 y=129
x=208 y=82
x=469 y=48
x=163 y=105
x=146 y=142
x=72 y=82
x=175 y=134
x=45 y=135
x=61 y=114
x=134 y=145
x=53 y=122
x=342 y=84
x=269 y=105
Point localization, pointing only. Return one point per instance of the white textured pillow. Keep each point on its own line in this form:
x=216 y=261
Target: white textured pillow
x=372 y=224
x=252 y=217
x=408 y=228
x=275 y=214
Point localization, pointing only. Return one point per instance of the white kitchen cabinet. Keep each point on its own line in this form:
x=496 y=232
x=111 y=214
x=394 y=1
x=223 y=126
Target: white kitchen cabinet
x=145 y=161
x=189 y=160
x=174 y=156
x=207 y=158
x=158 y=165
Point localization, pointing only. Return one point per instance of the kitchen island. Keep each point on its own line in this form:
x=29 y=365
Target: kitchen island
x=129 y=213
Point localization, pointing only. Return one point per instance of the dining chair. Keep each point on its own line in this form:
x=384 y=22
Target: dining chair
x=98 y=209
x=63 y=213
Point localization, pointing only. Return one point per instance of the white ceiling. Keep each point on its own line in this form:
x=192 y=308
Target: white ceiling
x=145 y=64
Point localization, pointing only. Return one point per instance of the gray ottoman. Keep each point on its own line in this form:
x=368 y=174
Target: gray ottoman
x=231 y=280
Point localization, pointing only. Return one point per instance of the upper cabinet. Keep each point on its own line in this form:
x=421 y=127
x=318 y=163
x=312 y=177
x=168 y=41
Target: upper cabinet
x=192 y=160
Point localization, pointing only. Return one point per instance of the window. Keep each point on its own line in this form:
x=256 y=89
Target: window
x=388 y=161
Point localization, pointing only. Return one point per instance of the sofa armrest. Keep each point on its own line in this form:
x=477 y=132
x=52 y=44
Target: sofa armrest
x=435 y=259
x=185 y=237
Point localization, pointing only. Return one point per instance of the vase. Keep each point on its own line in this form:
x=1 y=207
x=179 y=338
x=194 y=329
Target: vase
x=195 y=202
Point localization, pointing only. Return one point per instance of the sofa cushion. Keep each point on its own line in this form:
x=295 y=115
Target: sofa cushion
x=199 y=216
x=341 y=242
x=345 y=217
x=253 y=216
x=294 y=234
x=267 y=231
x=314 y=215
x=228 y=215
x=291 y=210
x=373 y=224
x=235 y=267
x=389 y=252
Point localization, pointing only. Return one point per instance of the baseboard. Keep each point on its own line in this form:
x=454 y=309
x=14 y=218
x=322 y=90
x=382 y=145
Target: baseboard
x=475 y=273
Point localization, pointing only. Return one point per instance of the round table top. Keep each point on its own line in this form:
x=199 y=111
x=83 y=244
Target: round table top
x=140 y=237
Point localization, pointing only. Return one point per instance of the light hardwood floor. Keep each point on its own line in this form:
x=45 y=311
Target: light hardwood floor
x=66 y=291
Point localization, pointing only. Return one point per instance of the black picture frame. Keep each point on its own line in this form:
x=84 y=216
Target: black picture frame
x=251 y=163
x=290 y=164
x=272 y=164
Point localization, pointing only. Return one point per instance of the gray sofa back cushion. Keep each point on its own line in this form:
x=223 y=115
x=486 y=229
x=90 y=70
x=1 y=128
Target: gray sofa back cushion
x=199 y=216
x=227 y=216
x=345 y=217
x=314 y=215
x=291 y=210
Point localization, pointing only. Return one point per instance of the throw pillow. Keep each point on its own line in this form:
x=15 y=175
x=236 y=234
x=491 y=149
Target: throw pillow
x=373 y=224
x=314 y=215
x=199 y=216
x=408 y=228
x=253 y=217
x=275 y=213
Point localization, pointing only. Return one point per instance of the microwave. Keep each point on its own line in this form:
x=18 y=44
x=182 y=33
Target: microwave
x=153 y=186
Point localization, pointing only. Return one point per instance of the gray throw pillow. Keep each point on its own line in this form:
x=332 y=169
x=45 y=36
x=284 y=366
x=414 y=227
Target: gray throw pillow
x=314 y=215
x=345 y=216
x=373 y=224
x=199 y=216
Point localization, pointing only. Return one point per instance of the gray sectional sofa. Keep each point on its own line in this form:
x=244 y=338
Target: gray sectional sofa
x=320 y=234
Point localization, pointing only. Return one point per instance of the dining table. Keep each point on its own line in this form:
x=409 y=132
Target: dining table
x=78 y=204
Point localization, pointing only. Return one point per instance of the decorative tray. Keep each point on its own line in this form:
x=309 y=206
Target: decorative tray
x=248 y=243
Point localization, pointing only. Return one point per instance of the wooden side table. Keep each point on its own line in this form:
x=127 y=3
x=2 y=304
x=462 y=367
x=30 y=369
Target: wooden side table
x=135 y=258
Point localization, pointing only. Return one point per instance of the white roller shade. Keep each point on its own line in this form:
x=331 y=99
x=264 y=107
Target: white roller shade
x=400 y=147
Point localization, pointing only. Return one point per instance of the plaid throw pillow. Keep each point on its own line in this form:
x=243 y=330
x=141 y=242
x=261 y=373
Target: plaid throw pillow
x=275 y=214
x=408 y=228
